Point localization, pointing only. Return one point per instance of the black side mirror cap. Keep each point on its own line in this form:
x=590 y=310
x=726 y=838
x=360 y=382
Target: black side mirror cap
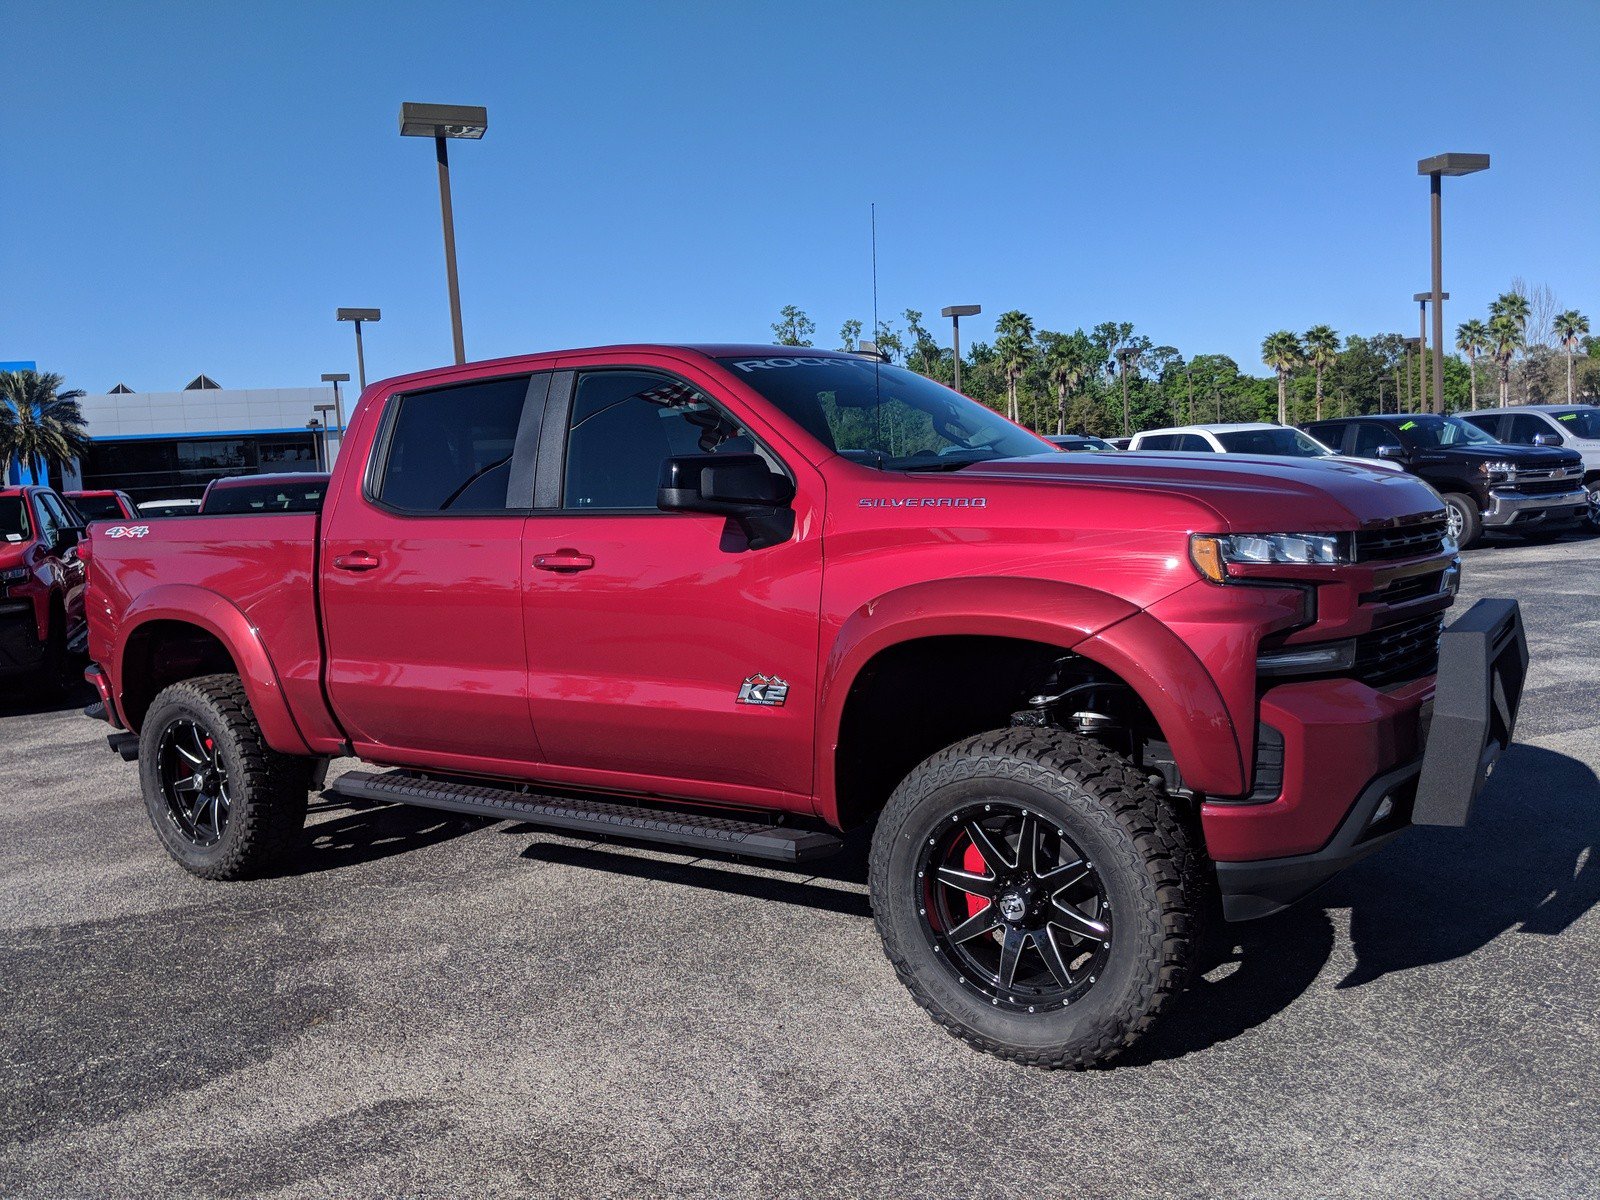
x=741 y=487
x=1548 y=439
x=1393 y=453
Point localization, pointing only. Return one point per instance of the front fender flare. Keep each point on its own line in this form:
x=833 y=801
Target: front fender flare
x=218 y=616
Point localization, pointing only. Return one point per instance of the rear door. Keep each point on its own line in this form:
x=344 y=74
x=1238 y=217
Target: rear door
x=643 y=627
x=422 y=576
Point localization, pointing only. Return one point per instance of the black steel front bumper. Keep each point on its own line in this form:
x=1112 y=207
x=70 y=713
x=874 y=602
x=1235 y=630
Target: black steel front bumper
x=1483 y=663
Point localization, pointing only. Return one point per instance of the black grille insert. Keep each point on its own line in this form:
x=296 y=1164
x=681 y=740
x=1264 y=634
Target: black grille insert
x=1399 y=653
x=1408 y=541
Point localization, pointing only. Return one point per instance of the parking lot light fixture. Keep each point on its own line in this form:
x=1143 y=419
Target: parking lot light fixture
x=1435 y=169
x=358 y=315
x=338 y=404
x=442 y=122
x=955 y=312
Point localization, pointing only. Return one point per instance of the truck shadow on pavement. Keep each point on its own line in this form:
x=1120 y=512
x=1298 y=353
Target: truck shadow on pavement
x=1528 y=864
x=367 y=831
x=32 y=700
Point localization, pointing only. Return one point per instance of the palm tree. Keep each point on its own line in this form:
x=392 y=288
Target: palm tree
x=1322 y=351
x=1066 y=366
x=1514 y=305
x=1472 y=338
x=43 y=424
x=1283 y=353
x=1505 y=339
x=1014 y=347
x=1571 y=327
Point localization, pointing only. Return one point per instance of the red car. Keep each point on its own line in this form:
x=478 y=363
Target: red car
x=742 y=598
x=41 y=588
x=104 y=505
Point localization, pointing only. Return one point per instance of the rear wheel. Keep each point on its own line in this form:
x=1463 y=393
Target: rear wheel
x=224 y=803
x=1462 y=519
x=1037 y=896
x=1591 y=520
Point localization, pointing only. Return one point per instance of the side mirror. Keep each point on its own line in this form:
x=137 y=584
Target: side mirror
x=1548 y=439
x=740 y=487
x=67 y=537
x=1392 y=453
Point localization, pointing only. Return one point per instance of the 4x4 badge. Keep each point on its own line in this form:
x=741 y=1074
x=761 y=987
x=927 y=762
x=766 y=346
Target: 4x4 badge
x=764 y=689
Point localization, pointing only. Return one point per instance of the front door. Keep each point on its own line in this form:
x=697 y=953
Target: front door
x=422 y=579
x=659 y=644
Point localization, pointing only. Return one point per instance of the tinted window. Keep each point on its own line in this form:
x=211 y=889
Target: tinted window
x=1525 y=427
x=13 y=519
x=1159 y=441
x=625 y=424
x=297 y=496
x=59 y=514
x=1284 y=442
x=1581 y=422
x=98 y=508
x=1442 y=432
x=1370 y=435
x=1488 y=422
x=1194 y=442
x=450 y=449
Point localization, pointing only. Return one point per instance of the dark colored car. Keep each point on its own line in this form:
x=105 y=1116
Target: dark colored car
x=264 y=494
x=738 y=599
x=41 y=586
x=1077 y=442
x=1535 y=491
x=105 y=505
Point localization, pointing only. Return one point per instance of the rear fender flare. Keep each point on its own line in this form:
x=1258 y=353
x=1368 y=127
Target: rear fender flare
x=204 y=609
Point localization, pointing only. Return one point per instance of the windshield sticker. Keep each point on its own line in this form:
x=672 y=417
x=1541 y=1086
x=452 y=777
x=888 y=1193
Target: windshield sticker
x=1408 y=425
x=1567 y=417
x=768 y=364
x=923 y=502
x=13 y=537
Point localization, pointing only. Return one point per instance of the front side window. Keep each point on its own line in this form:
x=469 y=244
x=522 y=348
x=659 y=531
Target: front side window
x=1194 y=443
x=1159 y=441
x=1431 y=433
x=1525 y=427
x=1580 y=422
x=882 y=416
x=1488 y=422
x=449 y=450
x=625 y=424
x=1371 y=436
x=1282 y=442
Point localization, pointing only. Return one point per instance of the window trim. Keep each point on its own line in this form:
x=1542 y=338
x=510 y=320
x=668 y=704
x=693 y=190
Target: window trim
x=534 y=405
x=550 y=480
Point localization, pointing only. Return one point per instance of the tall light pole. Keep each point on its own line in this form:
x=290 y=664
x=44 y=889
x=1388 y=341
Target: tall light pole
x=1424 y=299
x=955 y=312
x=359 y=315
x=442 y=122
x=1435 y=169
x=327 y=449
x=338 y=404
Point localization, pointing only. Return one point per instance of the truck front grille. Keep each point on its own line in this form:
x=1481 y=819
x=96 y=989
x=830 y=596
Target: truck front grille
x=1408 y=541
x=1412 y=587
x=1540 y=484
x=1399 y=653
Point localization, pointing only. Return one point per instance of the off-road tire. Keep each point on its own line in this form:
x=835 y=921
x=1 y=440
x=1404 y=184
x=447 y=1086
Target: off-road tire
x=1156 y=882
x=269 y=789
x=1471 y=519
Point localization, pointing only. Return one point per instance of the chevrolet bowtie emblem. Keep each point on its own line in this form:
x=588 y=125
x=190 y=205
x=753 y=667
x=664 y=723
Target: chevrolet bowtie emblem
x=766 y=690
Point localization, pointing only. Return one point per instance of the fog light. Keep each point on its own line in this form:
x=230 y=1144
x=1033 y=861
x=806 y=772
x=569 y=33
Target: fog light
x=1307 y=659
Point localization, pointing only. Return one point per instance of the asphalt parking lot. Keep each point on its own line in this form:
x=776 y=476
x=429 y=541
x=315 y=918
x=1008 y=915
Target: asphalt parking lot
x=432 y=1006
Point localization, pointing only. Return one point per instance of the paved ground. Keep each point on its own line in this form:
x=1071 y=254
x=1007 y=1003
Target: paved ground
x=443 y=1007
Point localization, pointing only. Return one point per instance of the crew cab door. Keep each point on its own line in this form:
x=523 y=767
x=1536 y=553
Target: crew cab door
x=422 y=579
x=644 y=627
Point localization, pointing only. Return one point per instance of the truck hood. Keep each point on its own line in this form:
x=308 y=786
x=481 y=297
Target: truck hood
x=1529 y=457
x=13 y=553
x=1249 y=493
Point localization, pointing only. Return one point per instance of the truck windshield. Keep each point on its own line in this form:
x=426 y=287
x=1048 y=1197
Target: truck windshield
x=1580 y=422
x=13 y=519
x=882 y=416
x=98 y=508
x=1433 y=432
x=1285 y=443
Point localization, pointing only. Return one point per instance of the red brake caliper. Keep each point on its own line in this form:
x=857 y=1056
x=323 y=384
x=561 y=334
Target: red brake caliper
x=972 y=862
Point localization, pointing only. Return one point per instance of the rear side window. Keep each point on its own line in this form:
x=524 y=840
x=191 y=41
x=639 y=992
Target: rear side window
x=449 y=450
x=1488 y=422
x=1194 y=443
x=1159 y=441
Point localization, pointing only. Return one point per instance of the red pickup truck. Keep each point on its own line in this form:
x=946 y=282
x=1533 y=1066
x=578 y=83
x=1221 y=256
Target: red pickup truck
x=41 y=590
x=743 y=598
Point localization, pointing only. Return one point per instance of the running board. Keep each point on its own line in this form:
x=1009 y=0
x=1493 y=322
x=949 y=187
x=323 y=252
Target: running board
x=598 y=818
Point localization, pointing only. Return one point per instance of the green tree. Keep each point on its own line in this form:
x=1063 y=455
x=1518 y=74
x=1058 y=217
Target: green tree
x=1505 y=339
x=1111 y=337
x=793 y=327
x=848 y=333
x=888 y=340
x=39 y=423
x=1068 y=364
x=1014 y=346
x=1472 y=339
x=1571 y=327
x=1515 y=306
x=1322 y=351
x=922 y=352
x=1283 y=353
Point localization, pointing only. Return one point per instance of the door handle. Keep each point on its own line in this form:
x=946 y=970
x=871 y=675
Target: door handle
x=359 y=560
x=564 y=561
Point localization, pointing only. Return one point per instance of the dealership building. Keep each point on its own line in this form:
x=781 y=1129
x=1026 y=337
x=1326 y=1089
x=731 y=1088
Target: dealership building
x=164 y=445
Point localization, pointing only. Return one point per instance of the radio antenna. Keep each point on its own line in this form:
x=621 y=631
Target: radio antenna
x=877 y=355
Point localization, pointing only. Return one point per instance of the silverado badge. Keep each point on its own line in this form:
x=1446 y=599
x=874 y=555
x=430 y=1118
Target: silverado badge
x=768 y=690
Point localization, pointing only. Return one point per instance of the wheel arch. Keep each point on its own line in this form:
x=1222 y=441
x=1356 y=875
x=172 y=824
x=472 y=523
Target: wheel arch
x=179 y=631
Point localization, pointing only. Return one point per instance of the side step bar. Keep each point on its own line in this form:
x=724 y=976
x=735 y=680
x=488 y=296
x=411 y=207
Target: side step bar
x=598 y=818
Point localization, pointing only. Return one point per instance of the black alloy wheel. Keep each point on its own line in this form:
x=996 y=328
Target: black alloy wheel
x=194 y=782
x=1015 y=906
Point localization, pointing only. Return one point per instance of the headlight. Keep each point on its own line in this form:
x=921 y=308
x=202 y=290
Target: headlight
x=1509 y=470
x=1212 y=554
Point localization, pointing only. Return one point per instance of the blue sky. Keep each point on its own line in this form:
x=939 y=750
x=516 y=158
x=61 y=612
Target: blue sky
x=196 y=187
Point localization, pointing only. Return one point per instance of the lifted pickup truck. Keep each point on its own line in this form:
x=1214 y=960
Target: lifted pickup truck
x=741 y=598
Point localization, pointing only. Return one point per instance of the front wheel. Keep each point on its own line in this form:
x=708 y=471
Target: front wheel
x=1463 y=522
x=1591 y=520
x=1037 y=895
x=223 y=802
